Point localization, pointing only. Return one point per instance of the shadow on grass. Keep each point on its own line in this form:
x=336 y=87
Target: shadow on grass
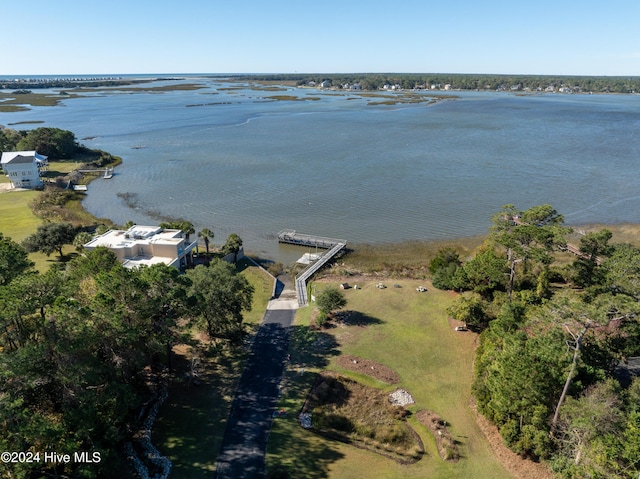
x=294 y=452
x=355 y=318
x=192 y=421
x=311 y=348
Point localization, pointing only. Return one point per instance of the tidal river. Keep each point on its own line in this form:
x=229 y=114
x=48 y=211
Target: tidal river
x=237 y=159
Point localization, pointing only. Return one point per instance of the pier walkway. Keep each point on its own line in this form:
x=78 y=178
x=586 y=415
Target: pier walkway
x=333 y=245
x=105 y=172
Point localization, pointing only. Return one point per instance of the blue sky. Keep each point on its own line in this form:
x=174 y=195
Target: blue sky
x=213 y=36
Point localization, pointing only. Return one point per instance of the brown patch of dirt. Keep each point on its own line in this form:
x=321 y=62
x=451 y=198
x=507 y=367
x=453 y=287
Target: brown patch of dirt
x=447 y=446
x=512 y=462
x=343 y=398
x=369 y=368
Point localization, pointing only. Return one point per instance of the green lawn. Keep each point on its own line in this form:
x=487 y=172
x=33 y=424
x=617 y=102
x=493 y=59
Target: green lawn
x=409 y=332
x=16 y=219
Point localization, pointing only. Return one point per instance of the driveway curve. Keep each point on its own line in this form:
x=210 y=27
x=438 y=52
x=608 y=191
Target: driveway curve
x=244 y=444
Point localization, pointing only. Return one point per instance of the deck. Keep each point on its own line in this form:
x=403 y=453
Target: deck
x=301 y=239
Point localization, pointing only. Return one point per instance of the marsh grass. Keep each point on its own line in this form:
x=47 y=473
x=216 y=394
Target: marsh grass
x=399 y=260
x=11 y=102
x=291 y=98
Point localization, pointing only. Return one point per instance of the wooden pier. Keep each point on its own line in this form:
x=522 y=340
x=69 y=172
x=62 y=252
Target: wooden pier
x=333 y=245
x=300 y=239
x=105 y=172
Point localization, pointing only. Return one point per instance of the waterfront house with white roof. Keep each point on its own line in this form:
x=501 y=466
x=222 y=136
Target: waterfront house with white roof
x=23 y=168
x=146 y=245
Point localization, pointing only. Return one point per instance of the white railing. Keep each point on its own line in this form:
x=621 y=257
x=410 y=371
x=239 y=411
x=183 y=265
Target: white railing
x=305 y=274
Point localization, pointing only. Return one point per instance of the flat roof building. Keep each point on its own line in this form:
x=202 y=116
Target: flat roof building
x=146 y=245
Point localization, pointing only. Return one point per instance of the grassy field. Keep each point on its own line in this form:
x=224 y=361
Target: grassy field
x=17 y=221
x=409 y=332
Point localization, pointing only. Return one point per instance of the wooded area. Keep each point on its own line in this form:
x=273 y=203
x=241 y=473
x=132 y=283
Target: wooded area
x=556 y=333
x=83 y=347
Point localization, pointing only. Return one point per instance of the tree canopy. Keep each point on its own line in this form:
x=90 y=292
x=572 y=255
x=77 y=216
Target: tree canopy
x=546 y=369
x=84 y=348
x=13 y=260
x=51 y=142
x=50 y=237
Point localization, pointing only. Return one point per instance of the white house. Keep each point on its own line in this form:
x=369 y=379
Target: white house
x=23 y=168
x=146 y=245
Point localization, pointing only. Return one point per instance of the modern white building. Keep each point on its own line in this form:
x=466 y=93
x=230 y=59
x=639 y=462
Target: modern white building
x=147 y=245
x=23 y=168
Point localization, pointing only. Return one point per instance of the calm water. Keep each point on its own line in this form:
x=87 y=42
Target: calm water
x=233 y=161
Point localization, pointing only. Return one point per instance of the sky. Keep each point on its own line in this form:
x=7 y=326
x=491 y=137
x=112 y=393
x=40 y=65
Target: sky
x=586 y=37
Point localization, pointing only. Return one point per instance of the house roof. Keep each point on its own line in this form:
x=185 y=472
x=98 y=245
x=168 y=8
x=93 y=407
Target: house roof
x=22 y=157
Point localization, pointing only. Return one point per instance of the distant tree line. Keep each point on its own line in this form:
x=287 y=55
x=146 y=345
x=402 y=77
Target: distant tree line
x=376 y=81
x=555 y=334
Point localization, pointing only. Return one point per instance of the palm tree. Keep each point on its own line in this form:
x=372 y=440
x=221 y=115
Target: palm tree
x=187 y=228
x=206 y=234
x=233 y=245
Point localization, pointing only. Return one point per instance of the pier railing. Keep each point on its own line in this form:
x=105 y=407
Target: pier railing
x=332 y=244
x=305 y=274
x=301 y=239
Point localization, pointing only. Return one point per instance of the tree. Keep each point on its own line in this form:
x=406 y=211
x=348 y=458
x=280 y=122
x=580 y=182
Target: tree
x=183 y=225
x=485 y=273
x=50 y=237
x=8 y=139
x=329 y=300
x=206 y=234
x=13 y=260
x=593 y=248
x=52 y=142
x=443 y=268
x=578 y=319
x=165 y=291
x=471 y=310
x=218 y=296
x=622 y=271
x=584 y=423
x=188 y=229
x=81 y=239
x=528 y=235
x=232 y=245
x=518 y=380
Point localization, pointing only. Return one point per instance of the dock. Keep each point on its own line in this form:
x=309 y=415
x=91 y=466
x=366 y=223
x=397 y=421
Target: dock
x=105 y=172
x=332 y=244
x=301 y=239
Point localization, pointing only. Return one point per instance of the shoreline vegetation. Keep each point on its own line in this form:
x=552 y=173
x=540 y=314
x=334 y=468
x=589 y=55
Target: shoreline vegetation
x=403 y=87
